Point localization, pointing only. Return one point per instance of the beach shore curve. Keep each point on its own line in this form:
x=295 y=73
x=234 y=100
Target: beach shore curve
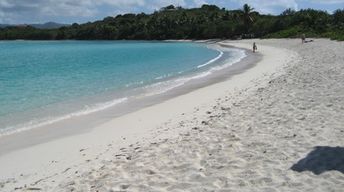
x=251 y=131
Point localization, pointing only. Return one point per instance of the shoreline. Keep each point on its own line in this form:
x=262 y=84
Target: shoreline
x=247 y=132
x=87 y=122
x=42 y=141
x=90 y=104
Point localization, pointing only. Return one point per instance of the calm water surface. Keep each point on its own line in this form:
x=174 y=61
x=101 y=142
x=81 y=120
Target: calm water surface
x=46 y=81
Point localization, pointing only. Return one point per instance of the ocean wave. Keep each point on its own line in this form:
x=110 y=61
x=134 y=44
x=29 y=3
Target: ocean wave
x=212 y=61
x=50 y=120
x=238 y=56
x=134 y=83
x=165 y=86
x=199 y=66
x=164 y=76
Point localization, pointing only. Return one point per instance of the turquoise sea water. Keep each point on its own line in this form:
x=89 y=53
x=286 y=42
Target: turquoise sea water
x=48 y=81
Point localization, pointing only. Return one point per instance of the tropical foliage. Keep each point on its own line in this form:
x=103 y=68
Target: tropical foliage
x=208 y=21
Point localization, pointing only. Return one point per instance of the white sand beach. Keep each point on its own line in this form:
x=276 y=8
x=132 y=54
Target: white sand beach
x=278 y=126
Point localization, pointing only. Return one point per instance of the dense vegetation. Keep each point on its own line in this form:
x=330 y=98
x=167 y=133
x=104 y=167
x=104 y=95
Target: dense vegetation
x=206 y=22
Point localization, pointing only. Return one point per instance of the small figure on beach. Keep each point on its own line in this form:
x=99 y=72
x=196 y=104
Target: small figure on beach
x=303 y=38
x=254 y=47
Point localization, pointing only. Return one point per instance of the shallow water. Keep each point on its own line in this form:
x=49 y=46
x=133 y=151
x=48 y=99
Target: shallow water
x=43 y=82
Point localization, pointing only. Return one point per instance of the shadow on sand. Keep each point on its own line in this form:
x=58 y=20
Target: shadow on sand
x=322 y=159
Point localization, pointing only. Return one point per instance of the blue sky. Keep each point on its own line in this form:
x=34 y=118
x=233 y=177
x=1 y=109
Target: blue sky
x=70 y=11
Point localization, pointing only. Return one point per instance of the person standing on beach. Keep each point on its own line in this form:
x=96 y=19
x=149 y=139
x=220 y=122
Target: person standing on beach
x=303 y=38
x=254 y=47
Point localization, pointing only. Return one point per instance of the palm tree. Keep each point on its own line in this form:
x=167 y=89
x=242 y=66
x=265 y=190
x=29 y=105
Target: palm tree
x=247 y=16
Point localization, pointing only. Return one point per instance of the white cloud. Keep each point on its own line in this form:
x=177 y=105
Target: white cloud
x=12 y=10
x=327 y=1
x=199 y=3
x=268 y=6
x=19 y=11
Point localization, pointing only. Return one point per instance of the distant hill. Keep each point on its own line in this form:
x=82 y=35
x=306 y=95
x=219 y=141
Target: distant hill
x=48 y=25
x=3 y=25
x=205 y=22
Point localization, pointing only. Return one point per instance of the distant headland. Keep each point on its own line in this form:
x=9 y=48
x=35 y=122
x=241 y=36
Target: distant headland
x=206 y=22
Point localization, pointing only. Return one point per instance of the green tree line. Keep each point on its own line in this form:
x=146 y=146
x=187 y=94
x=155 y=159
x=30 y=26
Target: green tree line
x=206 y=22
